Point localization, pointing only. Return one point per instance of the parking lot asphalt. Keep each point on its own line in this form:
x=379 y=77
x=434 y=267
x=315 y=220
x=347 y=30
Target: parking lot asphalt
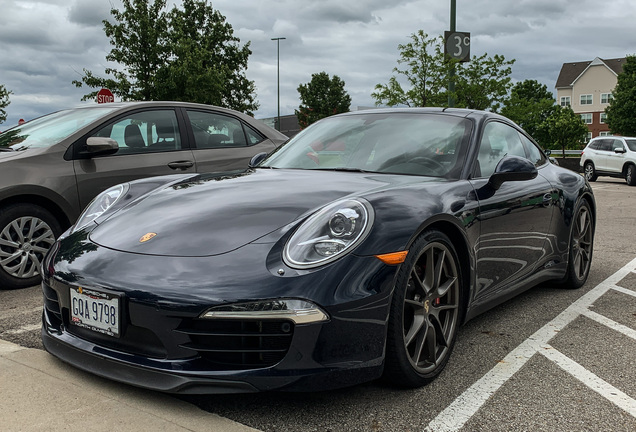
x=548 y=360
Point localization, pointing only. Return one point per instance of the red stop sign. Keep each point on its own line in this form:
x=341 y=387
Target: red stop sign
x=105 y=96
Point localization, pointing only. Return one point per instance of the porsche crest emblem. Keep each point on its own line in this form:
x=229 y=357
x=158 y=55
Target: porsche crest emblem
x=147 y=237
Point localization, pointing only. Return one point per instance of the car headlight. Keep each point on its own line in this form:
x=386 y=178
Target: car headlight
x=100 y=205
x=330 y=233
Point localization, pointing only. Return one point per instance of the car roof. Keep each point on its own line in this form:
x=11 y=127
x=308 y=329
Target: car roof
x=460 y=112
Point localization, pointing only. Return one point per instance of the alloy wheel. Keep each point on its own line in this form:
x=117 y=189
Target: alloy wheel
x=589 y=171
x=629 y=177
x=431 y=308
x=582 y=243
x=23 y=243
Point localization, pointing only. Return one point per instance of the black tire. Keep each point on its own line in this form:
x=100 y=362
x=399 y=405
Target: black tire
x=590 y=172
x=27 y=232
x=630 y=175
x=425 y=312
x=581 y=247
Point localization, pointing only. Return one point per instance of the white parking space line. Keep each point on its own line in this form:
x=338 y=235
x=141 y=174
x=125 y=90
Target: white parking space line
x=23 y=329
x=629 y=332
x=592 y=381
x=455 y=416
x=625 y=291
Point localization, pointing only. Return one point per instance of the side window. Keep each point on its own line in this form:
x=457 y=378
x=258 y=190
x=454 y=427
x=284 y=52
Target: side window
x=497 y=141
x=144 y=132
x=534 y=154
x=213 y=130
x=253 y=137
x=617 y=144
x=606 y=145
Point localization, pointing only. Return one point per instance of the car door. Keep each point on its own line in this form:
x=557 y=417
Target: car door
x=601 y=160
x=513 y=220
x=615 y=160
x=222 y=142
x=151 y=143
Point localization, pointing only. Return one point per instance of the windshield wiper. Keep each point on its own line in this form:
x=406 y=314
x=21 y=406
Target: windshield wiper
x=346 y=169
x=6 y=149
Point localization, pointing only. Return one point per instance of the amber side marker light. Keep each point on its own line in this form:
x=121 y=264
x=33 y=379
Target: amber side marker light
x=393 y=258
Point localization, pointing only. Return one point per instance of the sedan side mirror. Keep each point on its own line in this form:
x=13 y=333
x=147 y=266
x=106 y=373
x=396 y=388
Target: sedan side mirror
x=101 y=146
x=512 y=168
x=257 y=159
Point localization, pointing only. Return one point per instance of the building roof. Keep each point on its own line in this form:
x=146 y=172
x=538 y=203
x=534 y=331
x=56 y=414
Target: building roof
x=570 y=72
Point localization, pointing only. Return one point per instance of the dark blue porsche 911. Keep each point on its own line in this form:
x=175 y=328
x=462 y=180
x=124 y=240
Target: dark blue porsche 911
x=351 y=253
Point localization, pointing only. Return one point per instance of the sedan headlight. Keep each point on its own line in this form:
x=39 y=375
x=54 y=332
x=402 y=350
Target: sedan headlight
x=329 y=234
x=100 y=205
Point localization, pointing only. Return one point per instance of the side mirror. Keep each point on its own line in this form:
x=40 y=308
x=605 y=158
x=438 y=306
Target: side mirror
x=101 y=146
x=548 y=152
x=512 y=168
x=257 y=159
x=620 y=150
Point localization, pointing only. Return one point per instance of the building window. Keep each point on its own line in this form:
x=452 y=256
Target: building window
x=605 y=134
x=603 y=118
x=588 y=138
x=587 y=118
x=565 y=101
x=586 y=99
x=606 y=98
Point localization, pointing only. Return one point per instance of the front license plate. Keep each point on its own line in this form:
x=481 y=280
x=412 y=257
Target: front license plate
x=95 y=310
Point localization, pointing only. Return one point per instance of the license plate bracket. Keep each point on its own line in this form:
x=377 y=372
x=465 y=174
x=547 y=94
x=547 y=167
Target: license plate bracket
x=96 y=310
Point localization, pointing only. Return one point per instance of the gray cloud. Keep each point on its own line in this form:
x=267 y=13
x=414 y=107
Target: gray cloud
x=44 y=45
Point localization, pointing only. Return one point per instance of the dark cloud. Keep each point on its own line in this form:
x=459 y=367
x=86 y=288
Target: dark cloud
x=89 y=13
x=44 y=45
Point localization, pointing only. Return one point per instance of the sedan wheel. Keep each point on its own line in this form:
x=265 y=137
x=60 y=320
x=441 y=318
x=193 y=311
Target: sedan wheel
x=26 y=234
x=581 y=244
x=590 y=172
x=425 y=312
x=630 y=175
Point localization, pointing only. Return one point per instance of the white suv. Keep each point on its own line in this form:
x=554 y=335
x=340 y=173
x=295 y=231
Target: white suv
x=610 y=156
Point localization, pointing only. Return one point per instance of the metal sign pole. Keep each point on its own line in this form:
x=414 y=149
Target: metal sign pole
x=451 y=77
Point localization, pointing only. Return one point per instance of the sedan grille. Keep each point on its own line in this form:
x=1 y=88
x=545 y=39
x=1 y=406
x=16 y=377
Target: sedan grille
x=239 y=344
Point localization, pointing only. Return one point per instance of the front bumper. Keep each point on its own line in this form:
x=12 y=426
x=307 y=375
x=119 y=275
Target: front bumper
x=162 y=348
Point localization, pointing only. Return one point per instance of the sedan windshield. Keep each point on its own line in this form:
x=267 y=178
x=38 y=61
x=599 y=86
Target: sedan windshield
x=426 y=144
x=50 y=129
x=631 y=143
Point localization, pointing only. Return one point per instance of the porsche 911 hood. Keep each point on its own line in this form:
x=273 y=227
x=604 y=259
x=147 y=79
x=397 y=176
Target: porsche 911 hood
x=214 y=215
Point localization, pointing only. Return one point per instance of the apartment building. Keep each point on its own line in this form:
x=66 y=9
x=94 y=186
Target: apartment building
x=587 y=87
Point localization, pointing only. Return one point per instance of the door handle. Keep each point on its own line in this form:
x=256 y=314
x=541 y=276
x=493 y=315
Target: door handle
x=182 y=165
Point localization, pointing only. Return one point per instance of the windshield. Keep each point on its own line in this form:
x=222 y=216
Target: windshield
x=426 y=144
x=631 y=143
x=52 y=128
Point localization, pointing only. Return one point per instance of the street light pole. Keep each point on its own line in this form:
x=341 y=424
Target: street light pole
x=278 y=76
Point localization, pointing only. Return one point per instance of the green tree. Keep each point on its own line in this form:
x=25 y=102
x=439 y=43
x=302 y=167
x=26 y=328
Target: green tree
x=208 y=63
x=483 y=83
x=321 y=97
x=422 y=63
x=564 y=130
x=139 y=40
x=529 y=105
x=4 y=102
x=188 y=53
x=620 y=112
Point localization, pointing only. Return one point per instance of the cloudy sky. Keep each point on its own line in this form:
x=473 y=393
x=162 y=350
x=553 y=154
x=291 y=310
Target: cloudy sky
x=44 y=45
